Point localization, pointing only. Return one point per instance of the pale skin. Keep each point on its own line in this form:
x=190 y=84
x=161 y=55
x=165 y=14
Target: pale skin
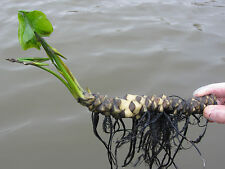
x=214 y=113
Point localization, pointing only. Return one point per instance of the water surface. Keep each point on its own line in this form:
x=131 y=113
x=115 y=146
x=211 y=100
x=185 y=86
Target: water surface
x=113 y=47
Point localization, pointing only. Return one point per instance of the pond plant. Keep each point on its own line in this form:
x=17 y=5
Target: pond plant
x=156 y=128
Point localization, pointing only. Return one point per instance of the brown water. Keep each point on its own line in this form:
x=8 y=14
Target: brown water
x=113 y=47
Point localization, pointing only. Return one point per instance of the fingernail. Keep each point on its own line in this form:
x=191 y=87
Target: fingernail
x=195 y=92
x=198 y=91
x=208 y=112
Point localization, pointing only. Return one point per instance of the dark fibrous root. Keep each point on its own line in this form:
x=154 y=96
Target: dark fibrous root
x=157 y=131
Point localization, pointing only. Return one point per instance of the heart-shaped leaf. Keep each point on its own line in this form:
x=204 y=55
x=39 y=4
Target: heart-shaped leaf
x=30 y=22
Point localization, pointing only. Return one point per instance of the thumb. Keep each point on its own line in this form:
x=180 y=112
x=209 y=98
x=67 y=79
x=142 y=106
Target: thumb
x=215 y=113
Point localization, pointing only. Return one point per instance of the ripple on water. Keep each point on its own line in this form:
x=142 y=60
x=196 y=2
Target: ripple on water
x=114 y=47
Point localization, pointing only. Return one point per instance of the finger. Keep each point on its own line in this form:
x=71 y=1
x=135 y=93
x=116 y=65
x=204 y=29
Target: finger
x=217 y=89
x=220 y=101
x=215 y=113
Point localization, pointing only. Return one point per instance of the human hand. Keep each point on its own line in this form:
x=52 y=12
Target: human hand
x=214 y=113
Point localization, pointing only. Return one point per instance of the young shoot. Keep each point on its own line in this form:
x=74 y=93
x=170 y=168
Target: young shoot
x=33 y=26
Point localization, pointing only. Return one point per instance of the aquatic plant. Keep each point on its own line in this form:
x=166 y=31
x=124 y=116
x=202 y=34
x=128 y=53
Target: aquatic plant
x=157 y=126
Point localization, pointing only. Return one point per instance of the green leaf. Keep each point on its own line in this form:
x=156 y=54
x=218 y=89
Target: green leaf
x=37 y=61
x=33 y=59
x=58 y=53
x=30 y=22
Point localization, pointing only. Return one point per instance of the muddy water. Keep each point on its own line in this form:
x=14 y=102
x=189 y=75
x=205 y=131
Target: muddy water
x=113 y=47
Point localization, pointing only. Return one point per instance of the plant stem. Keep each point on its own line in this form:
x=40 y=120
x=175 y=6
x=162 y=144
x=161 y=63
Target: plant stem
x=57 y=76
x=72 y=84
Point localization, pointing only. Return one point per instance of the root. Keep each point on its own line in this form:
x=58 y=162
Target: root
x=158 y=130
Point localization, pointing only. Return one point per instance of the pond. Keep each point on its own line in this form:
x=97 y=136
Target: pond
x=113 y=47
